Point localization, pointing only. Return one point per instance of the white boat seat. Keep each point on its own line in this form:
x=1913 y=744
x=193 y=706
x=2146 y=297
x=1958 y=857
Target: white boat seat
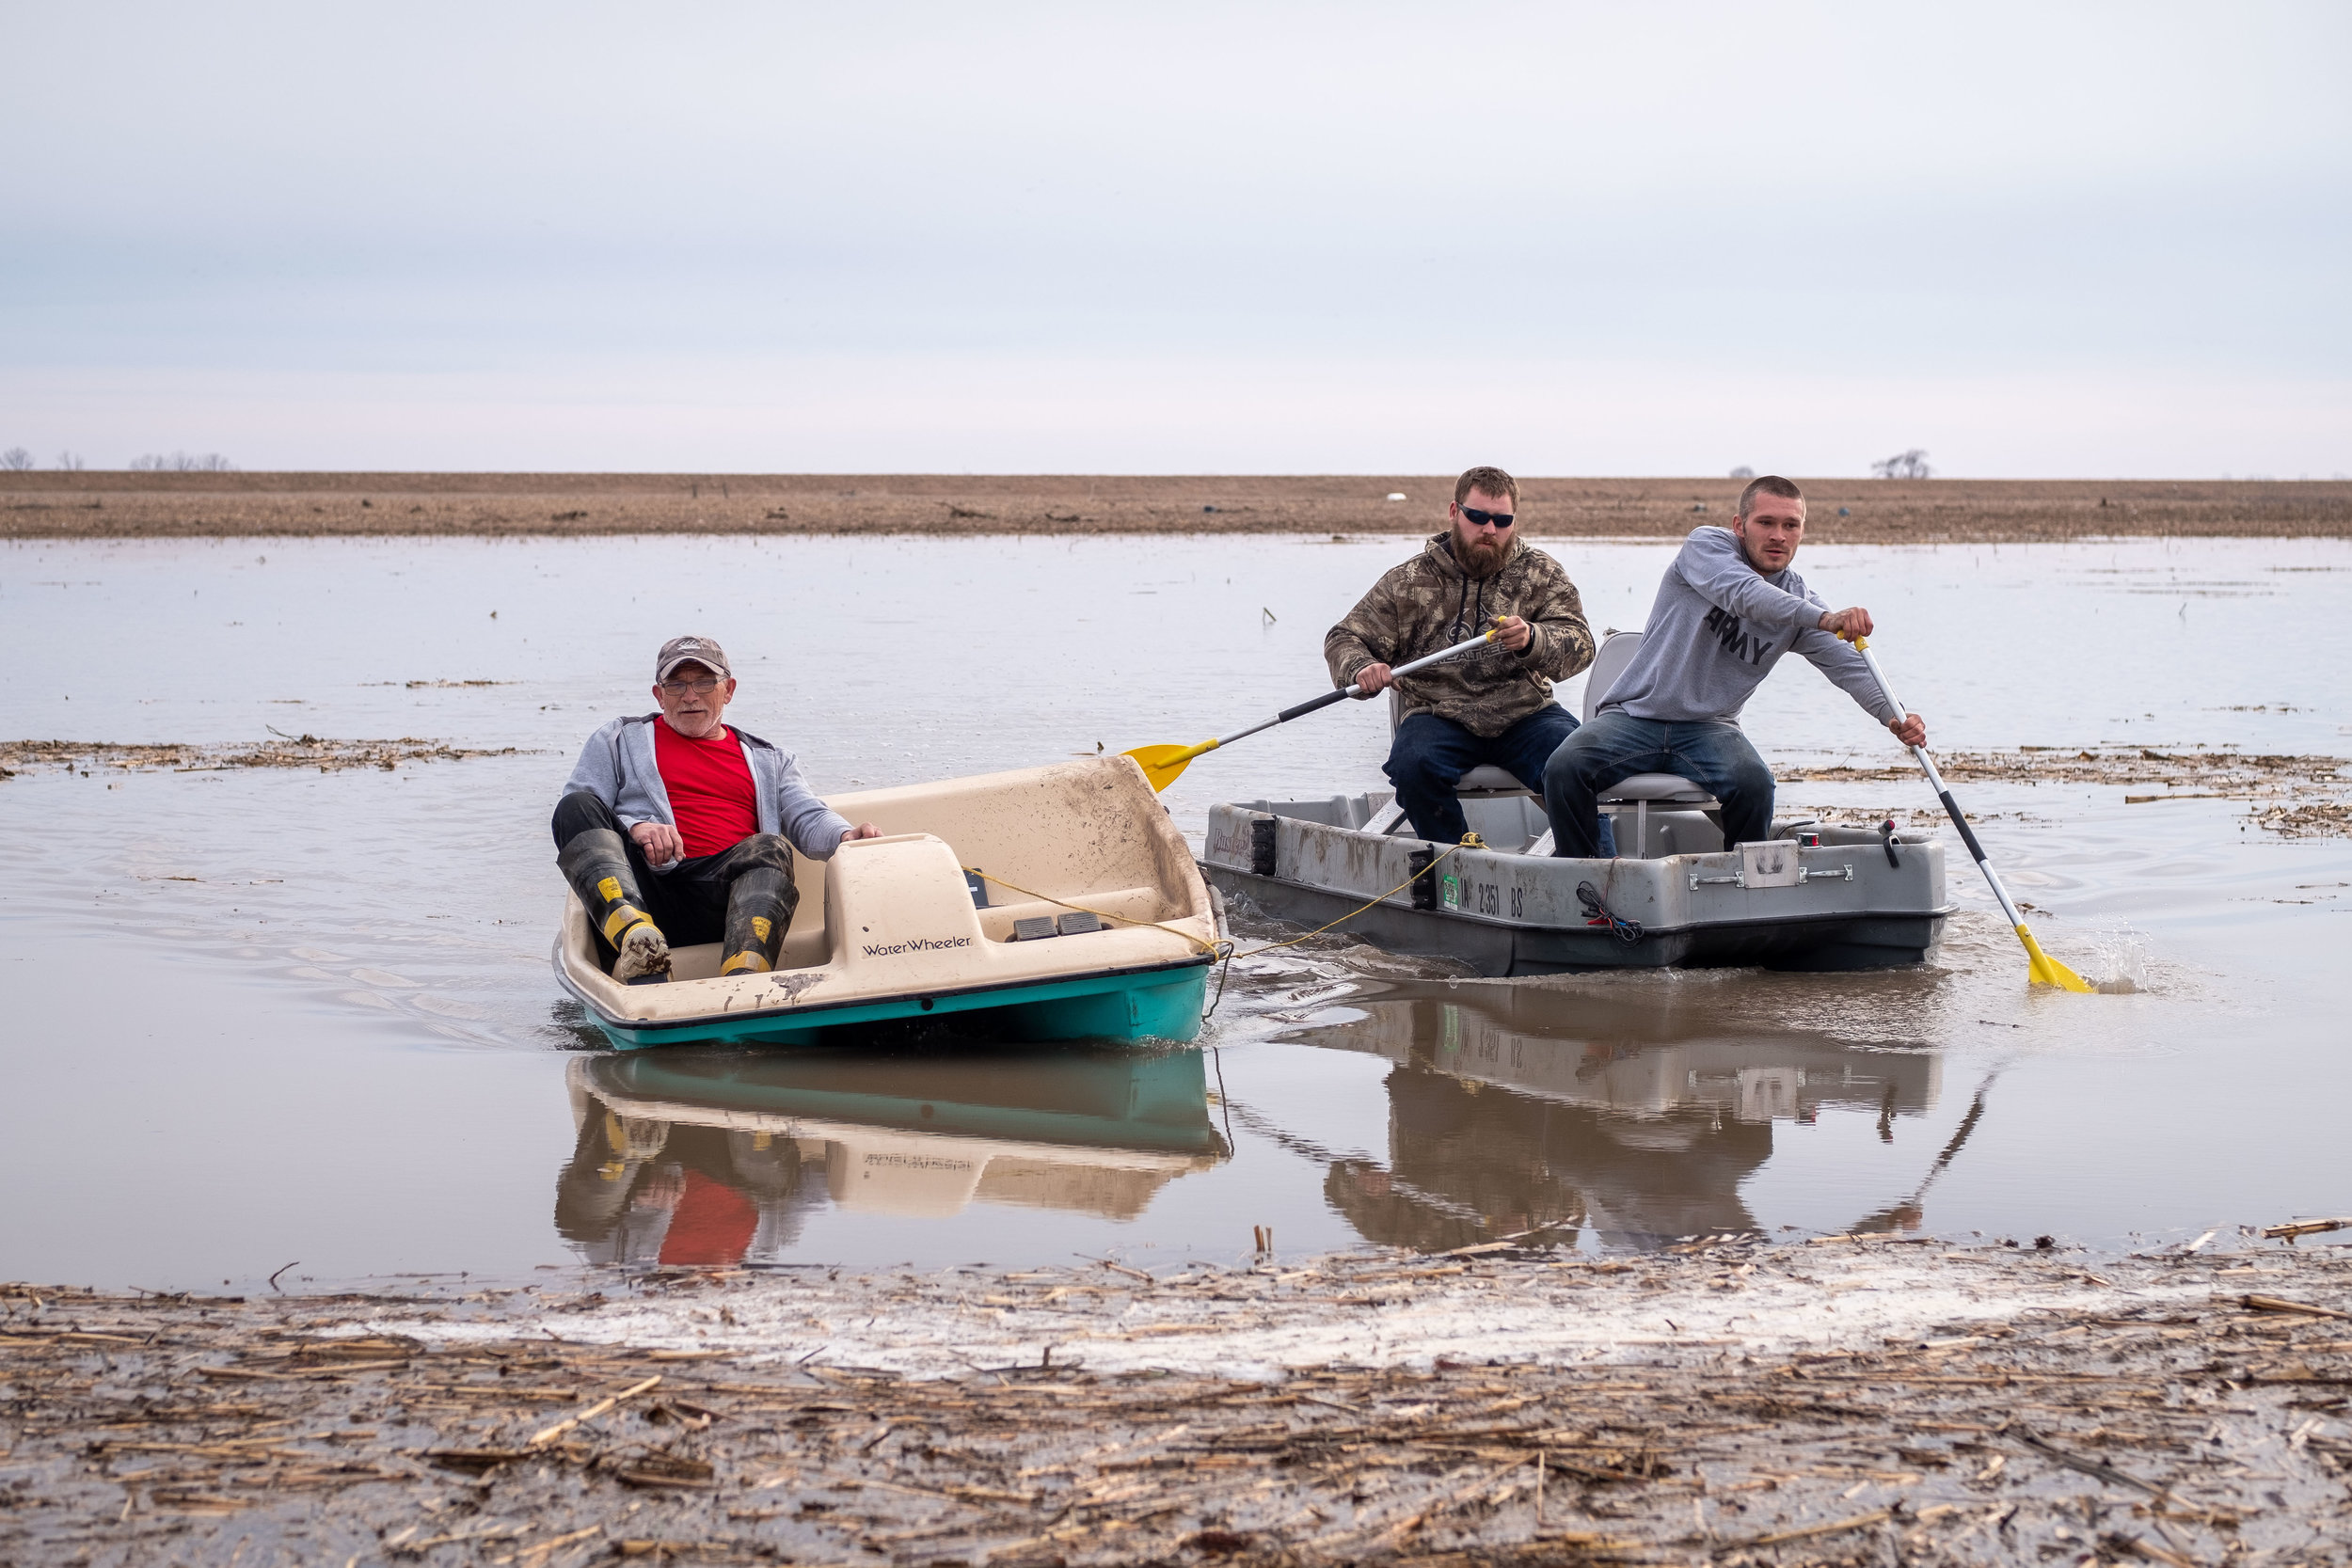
x=1642 y=790
x=1657 y=787
x=1615 y=652
x=1485 y=779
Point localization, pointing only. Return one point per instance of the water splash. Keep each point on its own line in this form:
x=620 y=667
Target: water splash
x=2118 y=965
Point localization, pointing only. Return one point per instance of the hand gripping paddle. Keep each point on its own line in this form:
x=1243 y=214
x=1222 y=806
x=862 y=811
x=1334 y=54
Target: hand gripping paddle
x=2042 y=970
x=1163 y=764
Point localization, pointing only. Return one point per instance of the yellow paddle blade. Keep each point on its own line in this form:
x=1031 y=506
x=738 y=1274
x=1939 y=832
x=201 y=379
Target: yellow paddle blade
x=1163 y=764
x=2046 y=971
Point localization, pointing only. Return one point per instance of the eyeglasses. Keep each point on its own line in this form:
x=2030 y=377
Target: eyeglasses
x=702 y=688
x=1489 y=519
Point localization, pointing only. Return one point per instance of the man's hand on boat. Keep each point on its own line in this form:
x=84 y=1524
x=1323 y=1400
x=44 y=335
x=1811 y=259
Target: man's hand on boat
x=1510 y=630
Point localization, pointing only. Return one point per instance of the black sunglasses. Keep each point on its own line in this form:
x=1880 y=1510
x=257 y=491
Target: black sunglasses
x=1487 y=519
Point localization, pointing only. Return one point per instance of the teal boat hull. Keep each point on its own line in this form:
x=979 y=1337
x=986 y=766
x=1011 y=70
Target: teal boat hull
x=1163 y=1001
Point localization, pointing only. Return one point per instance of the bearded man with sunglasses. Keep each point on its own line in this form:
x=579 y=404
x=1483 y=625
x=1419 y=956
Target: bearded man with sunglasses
x=1489 y=707
x=676 y=827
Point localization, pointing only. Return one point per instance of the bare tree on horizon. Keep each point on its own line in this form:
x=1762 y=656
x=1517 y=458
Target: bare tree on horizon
x=1904 y=464
x=16 y=459
x=183 y=462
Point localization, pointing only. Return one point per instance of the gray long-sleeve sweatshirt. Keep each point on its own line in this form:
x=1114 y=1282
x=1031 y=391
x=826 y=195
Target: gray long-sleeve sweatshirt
x=617 y=767
x=1716 y=631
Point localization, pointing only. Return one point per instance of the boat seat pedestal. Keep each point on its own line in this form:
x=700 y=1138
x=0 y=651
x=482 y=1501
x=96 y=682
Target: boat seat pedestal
x=1642 y=789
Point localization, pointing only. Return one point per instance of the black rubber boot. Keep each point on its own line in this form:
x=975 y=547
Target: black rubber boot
x=596 y=863
x=759 y=908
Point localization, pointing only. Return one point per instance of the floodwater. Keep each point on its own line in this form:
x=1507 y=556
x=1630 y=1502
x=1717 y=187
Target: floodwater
x=281 y=1020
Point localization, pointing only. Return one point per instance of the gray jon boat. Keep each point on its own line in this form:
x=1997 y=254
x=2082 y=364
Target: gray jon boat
x=1814 y=897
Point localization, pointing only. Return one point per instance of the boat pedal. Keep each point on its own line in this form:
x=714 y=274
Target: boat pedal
x=662 y=978
x=1035 y=928
x=1079 y=921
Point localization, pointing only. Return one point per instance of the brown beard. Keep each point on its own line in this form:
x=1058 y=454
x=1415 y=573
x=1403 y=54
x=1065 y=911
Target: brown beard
x=1480 y=560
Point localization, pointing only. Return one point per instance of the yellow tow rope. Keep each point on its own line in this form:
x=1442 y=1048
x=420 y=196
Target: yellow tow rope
x=1469 y=841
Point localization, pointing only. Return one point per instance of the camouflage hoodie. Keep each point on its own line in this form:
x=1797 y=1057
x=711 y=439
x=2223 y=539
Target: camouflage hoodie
x=1429 y=603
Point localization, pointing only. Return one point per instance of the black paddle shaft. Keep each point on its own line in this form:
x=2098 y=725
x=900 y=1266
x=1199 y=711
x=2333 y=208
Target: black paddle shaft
x=1315 y=703
x=1967 y=835
x=1312 y=704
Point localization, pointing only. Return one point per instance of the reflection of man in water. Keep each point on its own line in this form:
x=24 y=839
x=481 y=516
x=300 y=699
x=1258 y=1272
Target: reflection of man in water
x=1726 y=610
x=1470 y=1162
x=1492 y=706
x=675 y=827
x=653 y=1191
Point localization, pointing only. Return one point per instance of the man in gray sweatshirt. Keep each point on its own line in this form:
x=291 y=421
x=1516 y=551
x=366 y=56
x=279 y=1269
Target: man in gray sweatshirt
x=1726 y=610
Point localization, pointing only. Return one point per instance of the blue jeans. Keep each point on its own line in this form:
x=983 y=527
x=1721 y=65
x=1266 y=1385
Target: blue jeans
x=1615 y=746
x=1429 y=753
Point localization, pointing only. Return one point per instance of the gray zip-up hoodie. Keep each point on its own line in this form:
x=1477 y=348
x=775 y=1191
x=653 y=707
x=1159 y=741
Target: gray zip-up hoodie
x=617 y=767
x=1718 y=627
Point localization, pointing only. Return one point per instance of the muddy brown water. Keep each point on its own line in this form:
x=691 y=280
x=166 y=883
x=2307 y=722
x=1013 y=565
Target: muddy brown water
x=256 y=1018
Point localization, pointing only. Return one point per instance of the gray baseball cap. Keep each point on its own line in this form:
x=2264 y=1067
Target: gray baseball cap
x=690 y=650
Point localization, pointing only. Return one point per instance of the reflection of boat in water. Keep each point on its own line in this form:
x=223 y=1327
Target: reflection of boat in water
x=1518 y=1107
x=703 y=1157
x=896 y=928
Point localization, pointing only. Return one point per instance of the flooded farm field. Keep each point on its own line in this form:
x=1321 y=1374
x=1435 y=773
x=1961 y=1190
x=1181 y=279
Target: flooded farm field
x=279 y=1005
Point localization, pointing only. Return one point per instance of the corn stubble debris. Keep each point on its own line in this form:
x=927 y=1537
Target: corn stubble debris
x=2179 y=1415
x=111 y=760
x=2294 y=796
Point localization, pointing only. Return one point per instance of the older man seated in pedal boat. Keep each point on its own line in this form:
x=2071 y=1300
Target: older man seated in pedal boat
x=1490 y=708
x=1726 y=610
x=677 y=827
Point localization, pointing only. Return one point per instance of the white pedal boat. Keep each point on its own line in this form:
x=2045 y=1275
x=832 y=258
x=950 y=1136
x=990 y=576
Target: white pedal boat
x=894 y=927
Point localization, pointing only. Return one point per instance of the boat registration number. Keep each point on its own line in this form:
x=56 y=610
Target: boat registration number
x=1479 y=897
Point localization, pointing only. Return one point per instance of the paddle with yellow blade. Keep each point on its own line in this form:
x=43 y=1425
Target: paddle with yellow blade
x=1163 y=764
x=2042 y=969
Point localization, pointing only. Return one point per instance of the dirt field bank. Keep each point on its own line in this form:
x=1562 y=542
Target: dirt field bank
x=1856 y=511
x=1881 y=1401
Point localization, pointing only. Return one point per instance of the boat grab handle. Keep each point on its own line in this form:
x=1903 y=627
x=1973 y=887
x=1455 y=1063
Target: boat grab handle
x=1804 y=874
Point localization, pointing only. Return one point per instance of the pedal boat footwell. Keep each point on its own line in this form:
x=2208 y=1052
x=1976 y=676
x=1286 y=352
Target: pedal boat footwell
x=891 y=927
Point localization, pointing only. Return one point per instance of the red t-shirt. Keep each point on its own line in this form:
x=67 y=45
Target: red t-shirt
x=712 y=1224
x=711 y=788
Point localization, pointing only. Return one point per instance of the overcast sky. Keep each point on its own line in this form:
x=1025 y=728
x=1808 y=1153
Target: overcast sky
x=2035 y=240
